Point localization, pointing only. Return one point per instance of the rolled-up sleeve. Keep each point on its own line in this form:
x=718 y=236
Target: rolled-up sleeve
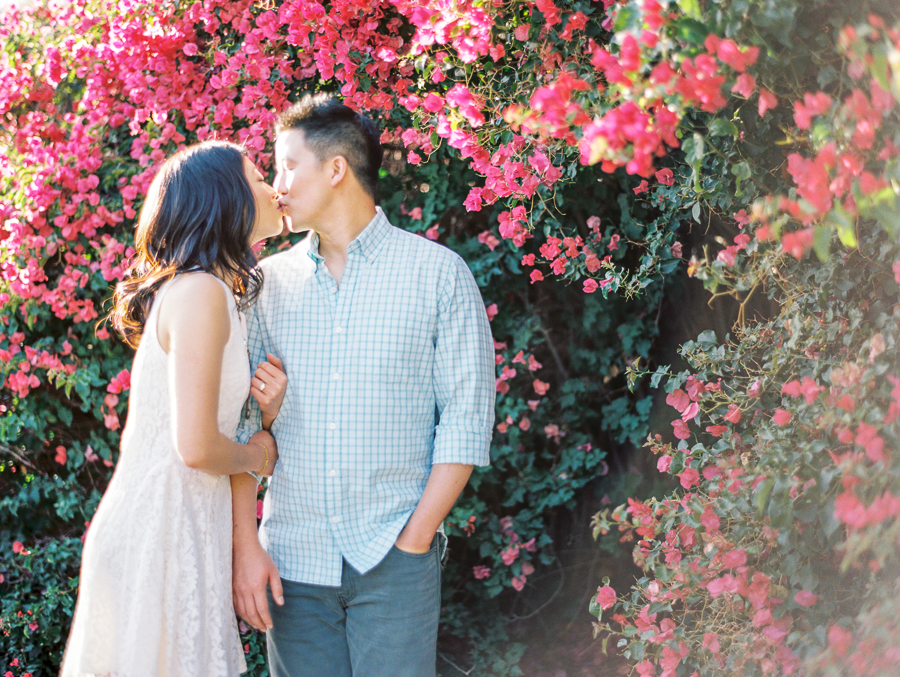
x=464 y=384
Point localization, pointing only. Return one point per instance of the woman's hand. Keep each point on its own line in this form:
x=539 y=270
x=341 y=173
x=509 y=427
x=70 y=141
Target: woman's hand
x=268 y=387
x=264 y=437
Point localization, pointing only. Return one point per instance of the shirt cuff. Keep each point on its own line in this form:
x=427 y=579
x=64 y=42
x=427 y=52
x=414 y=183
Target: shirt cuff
x=468 y=446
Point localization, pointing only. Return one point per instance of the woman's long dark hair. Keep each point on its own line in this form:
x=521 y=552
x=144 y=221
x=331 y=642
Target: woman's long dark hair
x=199 y=214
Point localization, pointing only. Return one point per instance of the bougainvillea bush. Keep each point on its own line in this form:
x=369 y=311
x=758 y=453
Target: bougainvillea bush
x=572 y=153
x=93 y=95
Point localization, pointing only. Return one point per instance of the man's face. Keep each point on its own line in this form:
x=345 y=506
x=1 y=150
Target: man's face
x=301 y=180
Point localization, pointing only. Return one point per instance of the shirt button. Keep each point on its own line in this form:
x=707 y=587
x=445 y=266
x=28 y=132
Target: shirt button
x=332 y=426
x=334 y=290
x=338 y=330
x=335 y=519
x=332 y=472
x=336 y=376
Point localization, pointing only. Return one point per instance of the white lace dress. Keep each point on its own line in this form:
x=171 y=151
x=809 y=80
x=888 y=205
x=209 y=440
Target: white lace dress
x=155 y=588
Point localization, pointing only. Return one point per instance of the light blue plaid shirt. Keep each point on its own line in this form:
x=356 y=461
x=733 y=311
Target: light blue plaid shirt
x=387 y=375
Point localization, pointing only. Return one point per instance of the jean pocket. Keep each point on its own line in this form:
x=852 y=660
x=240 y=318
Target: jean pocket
x=417 y=555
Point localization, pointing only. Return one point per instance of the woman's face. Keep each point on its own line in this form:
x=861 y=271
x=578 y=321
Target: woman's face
x=268 y=213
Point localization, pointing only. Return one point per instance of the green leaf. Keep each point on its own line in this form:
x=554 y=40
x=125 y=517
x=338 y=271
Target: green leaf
x=822 y=242
x=694 y=149
x=695 y=212
x=741 y=170
x=845 y=228
x=888 y=218
x=723 y=127
x=691 y=8
x=661 y=371
x=762 y=495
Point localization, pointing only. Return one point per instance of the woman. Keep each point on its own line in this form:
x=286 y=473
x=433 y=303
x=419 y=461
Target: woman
x=155 y=588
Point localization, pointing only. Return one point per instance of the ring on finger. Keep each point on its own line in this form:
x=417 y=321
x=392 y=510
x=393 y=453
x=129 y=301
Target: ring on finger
x=262 y=387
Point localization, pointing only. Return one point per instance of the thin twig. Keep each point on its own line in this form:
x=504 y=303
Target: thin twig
x=15 y=454
x=456 y=667
x=562 y=581
x=556 y=357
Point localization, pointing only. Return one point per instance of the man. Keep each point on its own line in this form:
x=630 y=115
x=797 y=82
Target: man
x=389 y=405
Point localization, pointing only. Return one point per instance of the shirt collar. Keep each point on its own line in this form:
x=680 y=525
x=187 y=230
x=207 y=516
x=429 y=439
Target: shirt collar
x=368 y=243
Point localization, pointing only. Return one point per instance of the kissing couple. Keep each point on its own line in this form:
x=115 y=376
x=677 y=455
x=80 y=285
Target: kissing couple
x=371 y=401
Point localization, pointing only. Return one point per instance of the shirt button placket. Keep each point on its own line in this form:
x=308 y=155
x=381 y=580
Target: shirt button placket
x=336 y=396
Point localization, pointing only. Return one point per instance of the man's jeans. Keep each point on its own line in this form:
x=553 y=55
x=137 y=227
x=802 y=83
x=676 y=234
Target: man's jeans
x=381 y=624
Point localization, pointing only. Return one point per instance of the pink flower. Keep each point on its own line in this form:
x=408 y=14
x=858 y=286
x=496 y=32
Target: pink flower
x=664 y=463
x=111 y=420
x=896 y=269
x=754 y=389
x=689 y=477
x=839 y=640
x=690 y=412
x=61 y=455
x=710 y=520
x=489 y=239
x=811 y=106
x=849 y=510
x=592 y=262
x=433 y=103
x=525 y=423
x=189 y=48
x=805 y=598
x=744 y=85
x=590 y=286
x=678 y=399
x=491 y=311
x=120 y=383
x=716 y=430
x=681 y=430
x=518 y=582
x=606 y=597
x=868 y=438
x=540 y=387
x=711 y=642
x=733 y=415
x=509 y=555
x=665 y=177
x=481 y=571
x=791 y=388
x=642 y=187
x=613 y=242
x=781 y=417
x=767 y=101
x=536 y=276
x=734 y=558
x=645 y=669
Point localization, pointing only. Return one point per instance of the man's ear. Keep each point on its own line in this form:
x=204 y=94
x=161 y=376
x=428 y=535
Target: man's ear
x=339 y=167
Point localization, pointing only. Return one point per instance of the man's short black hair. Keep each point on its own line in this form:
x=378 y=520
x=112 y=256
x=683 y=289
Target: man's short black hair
x=330 y=128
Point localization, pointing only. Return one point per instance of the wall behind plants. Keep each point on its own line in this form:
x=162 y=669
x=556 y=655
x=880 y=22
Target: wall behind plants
x=571 y=152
